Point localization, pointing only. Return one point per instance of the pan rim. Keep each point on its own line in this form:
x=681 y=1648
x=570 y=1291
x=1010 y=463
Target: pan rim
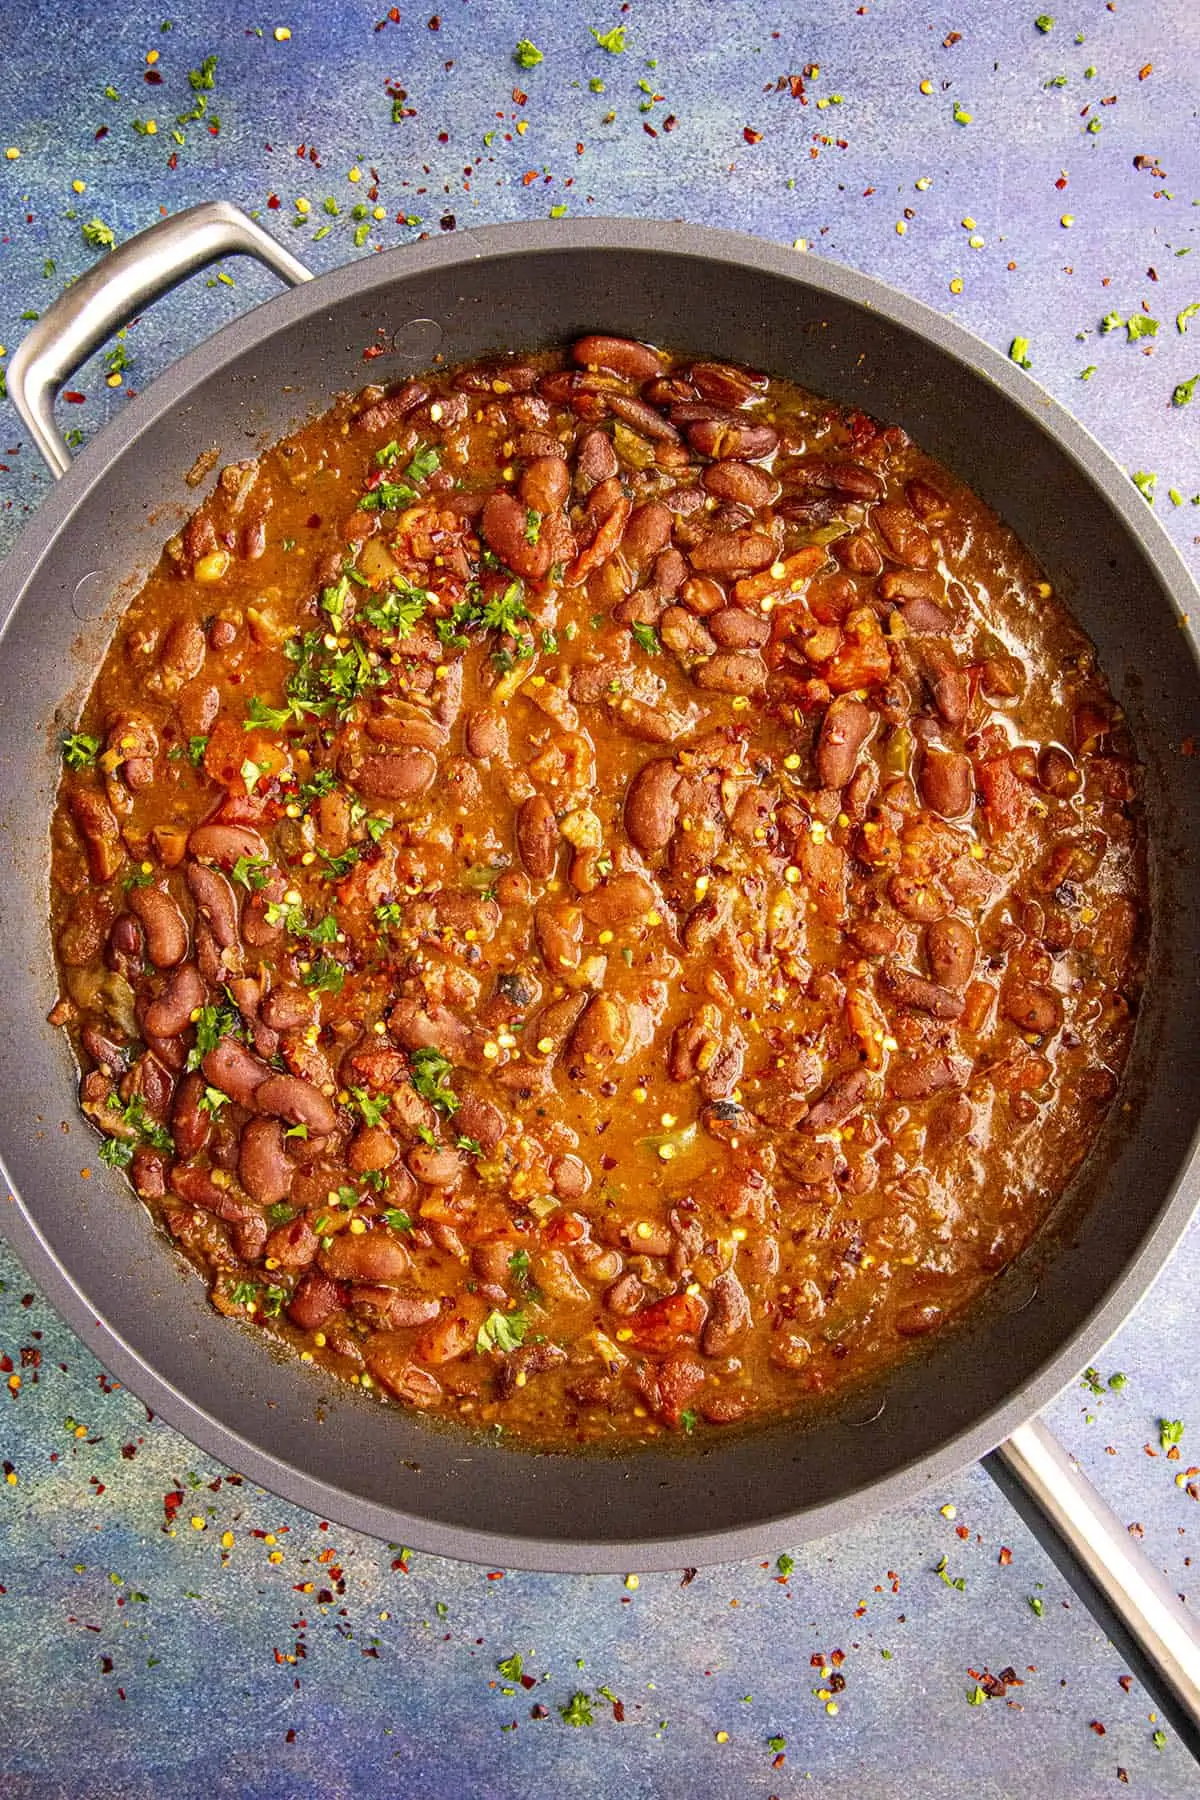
x=362 y=281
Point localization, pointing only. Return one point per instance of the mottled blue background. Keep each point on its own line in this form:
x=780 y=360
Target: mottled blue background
x=141 y=1659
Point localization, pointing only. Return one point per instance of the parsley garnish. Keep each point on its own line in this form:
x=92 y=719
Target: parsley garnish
x=212 y=1100
x=1184 y=392
x=1189 y=312
x=323 y=782
x=397 y=1218
x=326 y=976
x=527 y=55
x=954 y=1581
x=196 y=746
x=116 y=1153
x=578 y=1710
x=251 y=872
x=1018 y=352
x=213 y=1023
x=1111 y=322
x=502 y=1331
x=272 y=1300
x=373 y=1111
x=79 y=751
x=785 y=1564
x=687 y=1419
x=1144 y=482
x=97 y=235
x=511 y=1667
x=338 y=867
x=243 y=1293
x=1170 y=1431
x=613 y=41
x=134 y=1116
x=203 y=76
x=396 y=614
x=1139 y=326
x=390 y=914
x=533 y=525
x=430 y=1075
x=647 y=638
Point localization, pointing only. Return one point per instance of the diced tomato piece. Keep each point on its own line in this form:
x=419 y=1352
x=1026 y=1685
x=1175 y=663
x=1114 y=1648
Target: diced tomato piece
x=1005 y=795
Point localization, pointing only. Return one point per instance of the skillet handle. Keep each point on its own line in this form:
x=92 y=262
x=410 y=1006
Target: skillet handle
x=115 y=291
x=1130 y=1598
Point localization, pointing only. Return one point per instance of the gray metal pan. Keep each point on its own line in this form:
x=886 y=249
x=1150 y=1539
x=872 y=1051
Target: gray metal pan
x=976 y=1387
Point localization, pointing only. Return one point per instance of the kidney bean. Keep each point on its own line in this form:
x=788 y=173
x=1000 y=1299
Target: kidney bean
x=731 y=553
x=724 y=384
x=216 y=901
x=373 y=1147
x=858 y=553
x=504 y=523
x=603 y=1032
x=744 y=483
x=1032 y=1007
x=435 y=1165
x=733 y=628
x=844 y=730
x=595 y=458
x=651 y=808
x=916 y=1077
x=905 y=538
x=437 y=1028
x=660 y=1326
x=685 y=635
x=293 y=1245
x=740 y=440
x=841 y=1099
x=544 y=485
x=224 y=844
x=486 y=734
x=648 y=532
x=918 y=995
x=925 y=500
x=148 y=1172
x=371 y=1257
x=89 y=924
x=315 y=1301
x=477 y=1118
x=264 y=1168
x=621 y=900
x=388 y=1361
x=918 y=1321
x=625 y=1295
x=97 y=825
x=1056 y=772
x=403 y=774
x=644 y=419
x=946 y=782
x=165 y=927
x=729 y=1315
x=288 y=1009
x=606 y=540
x=292 y=1098
x=170 y=1011
x=452 y=1335
x=950 y=950
x=620 y=356
x=537 y=837
x=182 y=655
x=394 y=1309
x=952 y=697
x=732 y=672
x=232 y=1068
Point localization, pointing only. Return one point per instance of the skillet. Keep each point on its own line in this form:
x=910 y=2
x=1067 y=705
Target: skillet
x=975 y=1387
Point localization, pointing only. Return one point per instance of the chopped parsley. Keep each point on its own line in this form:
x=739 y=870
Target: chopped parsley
x=79 y=750
x=1184 y=392
x=1086 y=374
x=1189 y=312
x=338 y=867
x=785 y=1564
x=502 y=1331
x=1111 y=322
x=518 y=1264
x=1139 y=326
x=578 y=1710
x=392 y=913
x=1036 y=1605
x=687 y=1419
x=430 y=1075
x=244 y=1293
x=373 y=1111
x=250 y=872
x=511 y=1667
x=213 y=1023
x=1144 y=482
x=954 y=1581
x=116 y=1153
x=196 y=746
x=203 y=76
x=1170 y=1431
x=397 y=1218
x=533 y=525
x=527 y=55
x=326 y=976
x=212 y=1100
x=133 y=1115
x=647 y=639
x=1018 y=352
x=272 y=1299
x=322 y=783
x=397 y=613
x=1044 y=22
x=97 y=235
x=614 y=42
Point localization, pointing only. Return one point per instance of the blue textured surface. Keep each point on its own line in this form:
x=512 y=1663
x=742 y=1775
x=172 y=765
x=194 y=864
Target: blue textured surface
x=147 y=1659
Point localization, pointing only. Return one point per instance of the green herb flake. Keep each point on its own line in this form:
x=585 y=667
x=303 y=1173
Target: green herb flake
x=1086 y=374
x=1139 y=326
x=614 y=42
x=511 y=1667
x=1170 y=1431
x=976 y=1696
x=1111 y=322
x=527 y=55
x=213 y=1023
x=502 y=1331
x=1159 y=1740
x=1144 y=481
x=429 y=1072
x=1018 y=352
x=1036 y=1605
x=688 y=1420
x=1044 y=22
x=785 y=1564
x=1118 y=1381
x=953 y=1581
x=1189 y=312
x=646 y=638
x=212 y=1100
x=79 y=750
x=203 y=76
x=397 y=1218
x=578 y=1710
x=97 y=235
x=116 y=1153
x=1184 y=392
x=326 y=976
x=373 y=1111
x=962 y=116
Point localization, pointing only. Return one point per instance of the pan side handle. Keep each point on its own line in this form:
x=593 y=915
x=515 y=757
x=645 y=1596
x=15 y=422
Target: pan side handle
x=115 y=291
x=1131 y=1599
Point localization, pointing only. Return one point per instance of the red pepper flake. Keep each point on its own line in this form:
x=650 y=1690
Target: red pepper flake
x=76 y=398
x=173 y=160
x=796 y=88
x=1061 y=183
x=435 y=24
x=1146 y=69
x=1097 y=1727
x=172 y=1503
x=1005 y=1556
x=289 y=1737
x=689 y=1575
x=106 y=1665
x=1125 y=1682
x=102 y=133
x=274 y=202
x=670 y=122
x=649 y=130
x=529 y=177
x=153 y=78
x=519 y=98
x=495 y=1574
x=751 y=136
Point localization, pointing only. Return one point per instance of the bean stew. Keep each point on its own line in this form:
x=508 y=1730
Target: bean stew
x=597 y=893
